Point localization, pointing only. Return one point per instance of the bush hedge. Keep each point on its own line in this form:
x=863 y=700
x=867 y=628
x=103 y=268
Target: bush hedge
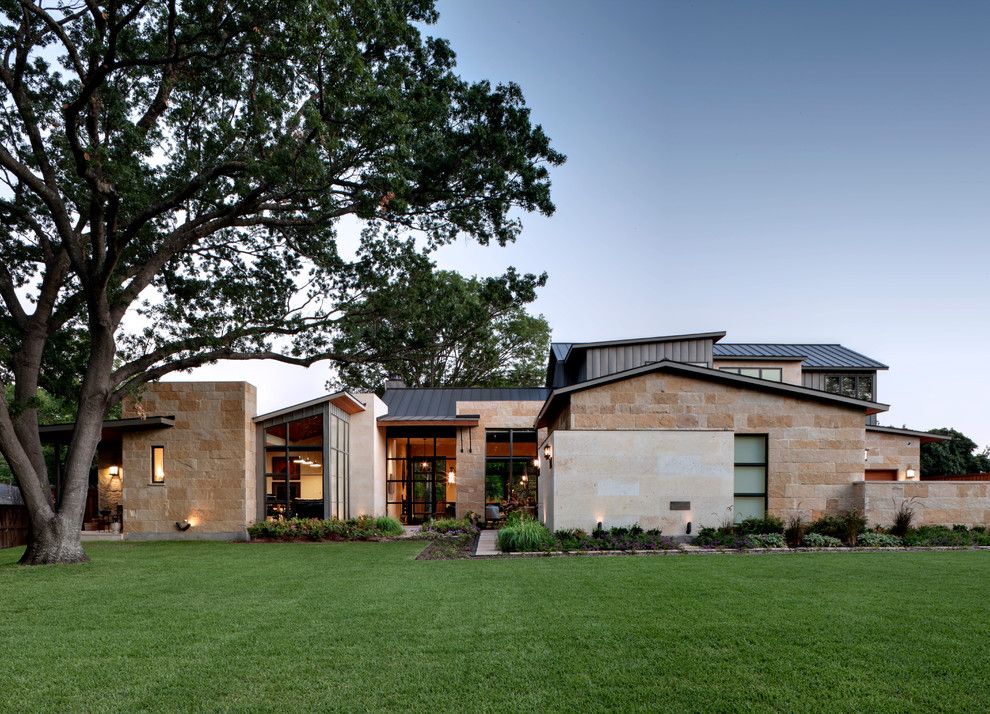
x=820 y=540
x=316 y=529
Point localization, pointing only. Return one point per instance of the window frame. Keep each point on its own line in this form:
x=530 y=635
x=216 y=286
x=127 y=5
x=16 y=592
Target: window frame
x=761 y=370
x=155 y=481
x=859 y=380
x=765 y=465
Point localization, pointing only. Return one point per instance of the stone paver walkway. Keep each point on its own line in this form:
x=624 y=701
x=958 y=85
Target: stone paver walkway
x=486 y=543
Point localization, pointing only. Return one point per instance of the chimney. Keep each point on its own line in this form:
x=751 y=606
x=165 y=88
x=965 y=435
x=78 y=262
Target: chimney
x=394 y=382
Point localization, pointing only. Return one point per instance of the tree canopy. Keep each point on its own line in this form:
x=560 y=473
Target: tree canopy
x=173 y=177
x=445 y=330
x=953 y=457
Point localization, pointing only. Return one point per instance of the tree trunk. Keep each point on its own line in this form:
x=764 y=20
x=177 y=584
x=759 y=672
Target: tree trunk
x=55 y=541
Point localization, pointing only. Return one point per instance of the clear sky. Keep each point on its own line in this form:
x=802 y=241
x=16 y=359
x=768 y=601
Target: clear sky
x=785 y=171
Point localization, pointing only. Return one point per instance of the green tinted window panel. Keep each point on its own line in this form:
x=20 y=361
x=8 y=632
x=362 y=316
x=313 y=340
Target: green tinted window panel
x=750 y=479
x=748 y=507
x=750 y=449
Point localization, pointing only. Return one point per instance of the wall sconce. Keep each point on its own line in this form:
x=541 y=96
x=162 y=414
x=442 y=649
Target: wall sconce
x=910 y=473
x=183 y=525
x=866 y=454
x=114 y=471
x=536 y=463
x=451 y=476
x=548 y=454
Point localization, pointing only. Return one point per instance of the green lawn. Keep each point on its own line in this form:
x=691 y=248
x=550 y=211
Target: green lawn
x=364 y=626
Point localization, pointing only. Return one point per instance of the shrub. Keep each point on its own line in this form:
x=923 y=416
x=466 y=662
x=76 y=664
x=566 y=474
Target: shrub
x=765 y=540
x=387 y=525
x=940 y=536
x=766 y=524
x=845 y=526
x=902 y=519
x=878 y=540
x=795 y=531
x=524 y=535
x=819 y=540
x=721 y=537
x=445 y=526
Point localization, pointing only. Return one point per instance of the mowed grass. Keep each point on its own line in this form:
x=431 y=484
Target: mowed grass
x=364 y=626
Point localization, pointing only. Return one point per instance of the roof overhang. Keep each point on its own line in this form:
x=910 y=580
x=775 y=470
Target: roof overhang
x=713 y=336
x=343 y=400
x=923 y=437
x=713 y=375
x=461 y=420
x=112 y=428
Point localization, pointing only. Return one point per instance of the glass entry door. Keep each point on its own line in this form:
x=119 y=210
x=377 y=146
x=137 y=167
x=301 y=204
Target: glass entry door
x=422 y=474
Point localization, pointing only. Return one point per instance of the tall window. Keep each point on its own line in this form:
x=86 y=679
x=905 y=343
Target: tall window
x=857 y=386
x=421 y=473
x=511 y=472
x=157 y=464
x=774 y=374
x=294 y=469
x=750 y=476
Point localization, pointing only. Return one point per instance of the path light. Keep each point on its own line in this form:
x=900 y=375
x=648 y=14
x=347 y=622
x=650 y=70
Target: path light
x=183 y=525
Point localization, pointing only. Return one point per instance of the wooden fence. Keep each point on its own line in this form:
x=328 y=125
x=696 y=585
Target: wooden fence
x=13 y=526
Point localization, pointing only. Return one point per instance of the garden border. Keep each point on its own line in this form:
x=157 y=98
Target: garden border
x=697 y=550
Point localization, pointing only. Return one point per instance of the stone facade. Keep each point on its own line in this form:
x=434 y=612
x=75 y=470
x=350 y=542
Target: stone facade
x=209 y=461
x=815 y=448
x=934 y=502
x=893 y=451
x=471 y=461
x=658 y=479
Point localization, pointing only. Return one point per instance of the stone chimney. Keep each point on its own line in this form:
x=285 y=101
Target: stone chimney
x=394 y=382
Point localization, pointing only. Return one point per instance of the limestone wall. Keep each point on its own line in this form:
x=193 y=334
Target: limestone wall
x=815 y=449
x=658 y=479
x=893 y=451
x=934 y=502
x=471 y=461
x=209 y=461
x=367 y=460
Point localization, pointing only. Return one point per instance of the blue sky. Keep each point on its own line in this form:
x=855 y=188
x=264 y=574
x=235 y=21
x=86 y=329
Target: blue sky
x=784 y=171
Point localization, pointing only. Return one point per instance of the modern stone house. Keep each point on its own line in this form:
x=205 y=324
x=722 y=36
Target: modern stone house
x=672 y=432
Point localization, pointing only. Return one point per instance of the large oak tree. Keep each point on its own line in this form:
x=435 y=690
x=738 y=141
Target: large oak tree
x=174 y=175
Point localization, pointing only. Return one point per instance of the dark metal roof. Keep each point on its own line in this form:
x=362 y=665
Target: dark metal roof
x=923 y=436
x=442 y=403
x=815 y=356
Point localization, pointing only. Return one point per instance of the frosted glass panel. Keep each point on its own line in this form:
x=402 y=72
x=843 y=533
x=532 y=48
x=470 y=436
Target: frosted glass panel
x=748 y=507
x=751 y=449
x=750 y=479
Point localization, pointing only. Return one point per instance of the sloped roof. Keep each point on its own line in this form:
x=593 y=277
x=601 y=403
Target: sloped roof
x=412 y=403
x=344 y=400
x=716 y=375
x=828 y=356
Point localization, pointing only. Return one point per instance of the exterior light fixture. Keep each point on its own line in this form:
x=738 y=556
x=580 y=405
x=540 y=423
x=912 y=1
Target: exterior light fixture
x=548 y=454
x=524 y=478
x=598 y=526
x=183 y=525
x=114 y=471
x=866 y=454
x=910 y=473
x=451 y=476
x=536 y=463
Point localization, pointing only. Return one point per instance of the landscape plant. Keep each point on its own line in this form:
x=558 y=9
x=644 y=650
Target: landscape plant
x=903 y=518
x=872 y=539
x=329 y=529
x=819 y=540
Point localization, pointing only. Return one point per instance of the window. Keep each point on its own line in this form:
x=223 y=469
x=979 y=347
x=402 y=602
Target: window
x=773 y=374
x=511 y=472
x=750 y=476
x=854 y=385
x=158 y=464
x=294 y=469
x=421 y=473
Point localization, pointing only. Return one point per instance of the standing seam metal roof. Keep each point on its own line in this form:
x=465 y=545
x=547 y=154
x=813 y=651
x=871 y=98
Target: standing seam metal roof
x=437 y=403
x=830 y=356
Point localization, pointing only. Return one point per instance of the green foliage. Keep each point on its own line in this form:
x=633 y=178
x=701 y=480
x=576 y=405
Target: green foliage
x=903 y=518
x=722 y=537
x=524 y=535
x=362 y=528
x=953 y=457
x=766 y=524
x=445 y=526
x=446 y=330
x=871 y=539
x=941 y=536
x=795 y=531
x=389 y=526
x=846 y=526
x=819 y=540
x=765 y=540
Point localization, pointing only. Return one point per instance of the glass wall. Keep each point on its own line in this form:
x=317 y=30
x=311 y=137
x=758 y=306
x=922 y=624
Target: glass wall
x=421 y=473
x=306 y=475
x=512 y=472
